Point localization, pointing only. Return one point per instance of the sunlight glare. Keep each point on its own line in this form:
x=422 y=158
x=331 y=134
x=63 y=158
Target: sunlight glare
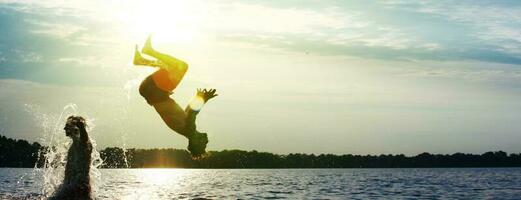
x=197 y=103
x=158 y=183
x=172 y=21
x=160 y=176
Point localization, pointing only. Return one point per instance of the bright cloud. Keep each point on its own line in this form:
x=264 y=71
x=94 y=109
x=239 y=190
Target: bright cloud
x=55 y=30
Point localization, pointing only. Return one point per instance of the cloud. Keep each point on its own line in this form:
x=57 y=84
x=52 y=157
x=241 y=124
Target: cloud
x=42 y=46
x=77 y=9
x=469 y=74
x=329 y=30
x=395 y=30
x=78 y=23
x=330 y=24
x=24 y=56
x=386 y=37
x=497 y=24
x=81 y=61
x=54 y=29
x=262 y=19
x=429 y=30
x=2 y=58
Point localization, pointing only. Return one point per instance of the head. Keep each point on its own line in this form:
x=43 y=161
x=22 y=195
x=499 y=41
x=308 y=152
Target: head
x=73 y=126
x=197 y=144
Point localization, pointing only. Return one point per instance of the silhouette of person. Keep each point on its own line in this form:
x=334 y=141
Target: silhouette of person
x=158 y=87
x=76 y=182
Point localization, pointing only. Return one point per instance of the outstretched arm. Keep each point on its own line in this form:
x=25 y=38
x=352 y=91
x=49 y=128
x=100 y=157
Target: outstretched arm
x=193 y=108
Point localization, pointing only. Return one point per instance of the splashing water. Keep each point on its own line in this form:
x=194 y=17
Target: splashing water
x=129 y=86
x=53 y=157
x=57 y=145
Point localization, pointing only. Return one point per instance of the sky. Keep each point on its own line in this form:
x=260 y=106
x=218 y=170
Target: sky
x=342 y=77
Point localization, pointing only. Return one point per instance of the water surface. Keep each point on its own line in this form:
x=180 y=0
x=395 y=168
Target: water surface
x=458 y=183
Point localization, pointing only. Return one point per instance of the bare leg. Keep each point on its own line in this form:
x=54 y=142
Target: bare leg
x=175 y=67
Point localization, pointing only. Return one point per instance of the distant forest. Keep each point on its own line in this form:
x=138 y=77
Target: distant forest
x=20 y=153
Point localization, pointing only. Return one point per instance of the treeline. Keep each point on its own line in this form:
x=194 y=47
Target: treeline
x=20 y=153
x=152 y=158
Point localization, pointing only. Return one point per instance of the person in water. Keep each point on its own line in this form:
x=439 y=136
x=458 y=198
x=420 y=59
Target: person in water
x=76 y=181
x=157 y=88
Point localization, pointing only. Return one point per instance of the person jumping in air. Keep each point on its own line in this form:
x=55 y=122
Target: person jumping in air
x=157 y=88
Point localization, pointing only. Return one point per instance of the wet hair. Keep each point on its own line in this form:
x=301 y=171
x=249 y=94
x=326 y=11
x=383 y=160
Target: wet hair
x=197 y=145
x=74 y=124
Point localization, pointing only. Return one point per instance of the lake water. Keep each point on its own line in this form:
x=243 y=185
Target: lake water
x=466 y=183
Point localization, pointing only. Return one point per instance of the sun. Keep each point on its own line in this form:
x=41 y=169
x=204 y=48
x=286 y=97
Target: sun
x=170 y=21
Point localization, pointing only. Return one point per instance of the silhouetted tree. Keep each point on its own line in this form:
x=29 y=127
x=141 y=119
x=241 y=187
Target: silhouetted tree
x=20 y=153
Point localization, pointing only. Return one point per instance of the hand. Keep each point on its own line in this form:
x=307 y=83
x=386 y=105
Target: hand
x=206 y=94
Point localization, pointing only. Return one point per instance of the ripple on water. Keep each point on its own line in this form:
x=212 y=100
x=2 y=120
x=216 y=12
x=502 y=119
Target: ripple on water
x=504 y=183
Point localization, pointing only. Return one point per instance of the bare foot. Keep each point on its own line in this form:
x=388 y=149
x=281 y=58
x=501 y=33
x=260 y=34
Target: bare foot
x=147 y=48
x=138 y=58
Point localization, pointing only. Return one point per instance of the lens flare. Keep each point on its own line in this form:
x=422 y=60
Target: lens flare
x=197 y=103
